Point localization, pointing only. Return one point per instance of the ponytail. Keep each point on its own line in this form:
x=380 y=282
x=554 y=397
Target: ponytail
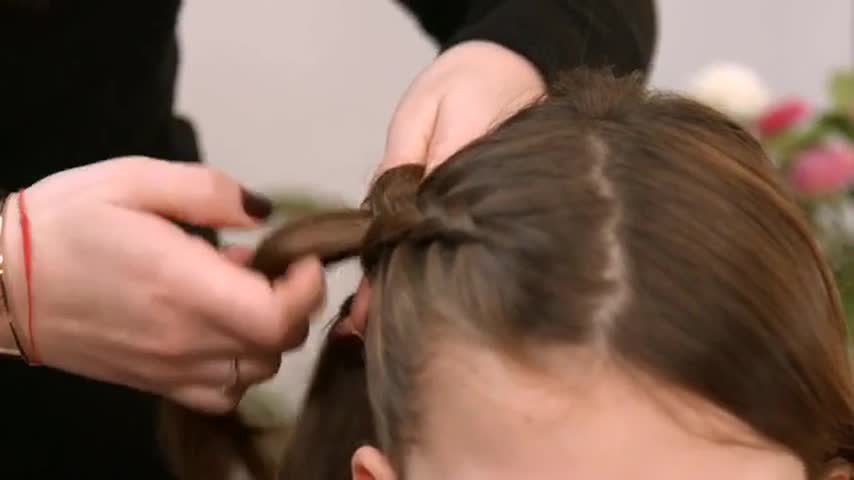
x=336 y=416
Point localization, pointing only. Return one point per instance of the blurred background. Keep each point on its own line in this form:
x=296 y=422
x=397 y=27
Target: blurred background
x=295 y=94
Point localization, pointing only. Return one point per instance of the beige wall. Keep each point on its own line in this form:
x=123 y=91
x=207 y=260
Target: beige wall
x=298 y=92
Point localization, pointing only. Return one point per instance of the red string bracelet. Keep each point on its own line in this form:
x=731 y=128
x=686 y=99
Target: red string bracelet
x=28 y=272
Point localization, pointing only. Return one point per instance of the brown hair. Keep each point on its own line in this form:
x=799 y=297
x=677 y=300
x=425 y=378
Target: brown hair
x=643 y=224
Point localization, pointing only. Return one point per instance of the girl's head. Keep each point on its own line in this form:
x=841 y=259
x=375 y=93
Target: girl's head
x=612 y=284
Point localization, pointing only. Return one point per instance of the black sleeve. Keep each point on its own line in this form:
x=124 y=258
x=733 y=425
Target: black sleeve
x=553 y=34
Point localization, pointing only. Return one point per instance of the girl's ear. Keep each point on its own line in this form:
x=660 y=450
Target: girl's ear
x=370 y=464
x=838 y=469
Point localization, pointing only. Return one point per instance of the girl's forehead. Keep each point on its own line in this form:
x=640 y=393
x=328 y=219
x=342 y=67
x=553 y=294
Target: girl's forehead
x=488 y=416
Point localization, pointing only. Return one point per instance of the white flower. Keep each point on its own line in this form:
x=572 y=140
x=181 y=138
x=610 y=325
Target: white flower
x=732 y=89
x=836 y=219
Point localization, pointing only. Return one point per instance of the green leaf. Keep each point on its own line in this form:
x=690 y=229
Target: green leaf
x=785 y=146
x=842 y=90
x=845 y=283
x=788 y=144
x=839 y=123
x=782 y=146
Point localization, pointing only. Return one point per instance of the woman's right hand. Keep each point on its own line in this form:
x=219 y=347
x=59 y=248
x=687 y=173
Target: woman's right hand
x=123 y=295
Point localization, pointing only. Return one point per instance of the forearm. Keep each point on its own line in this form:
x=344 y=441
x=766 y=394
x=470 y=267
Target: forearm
x=554 y=35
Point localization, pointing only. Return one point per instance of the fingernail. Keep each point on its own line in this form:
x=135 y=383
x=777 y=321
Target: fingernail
x=255 y=205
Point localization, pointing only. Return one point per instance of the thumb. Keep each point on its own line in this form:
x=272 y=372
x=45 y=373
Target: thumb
x=410 y=131
x=191 y=193
x=451 y=133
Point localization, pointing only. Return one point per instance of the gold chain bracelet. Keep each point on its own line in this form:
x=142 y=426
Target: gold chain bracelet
x=18 y=351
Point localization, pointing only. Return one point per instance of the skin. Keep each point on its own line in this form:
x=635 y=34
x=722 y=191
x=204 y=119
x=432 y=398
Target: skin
x=591 y=420
x=191 y=309
x=466 y=91
x=122 y=295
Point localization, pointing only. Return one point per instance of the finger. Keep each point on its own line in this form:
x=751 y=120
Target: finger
x=225 y=383
x=452 y=133
x=300 y=294
x=357 y=320
x=206 y=399
x=410 y=129
x=257 y=369
x=359 y=312
x=238 y=254
x=252 y=314
x=191 y=193
x=237 y=308
x=239 y=305
x=253 y=368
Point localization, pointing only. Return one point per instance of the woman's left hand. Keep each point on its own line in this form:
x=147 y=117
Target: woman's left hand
x=466 y=91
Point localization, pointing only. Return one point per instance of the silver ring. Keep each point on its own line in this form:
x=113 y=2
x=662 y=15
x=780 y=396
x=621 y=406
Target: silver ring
x=234 y=382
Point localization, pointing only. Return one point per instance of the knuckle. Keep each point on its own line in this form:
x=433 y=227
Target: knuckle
x=173 y=343
x=172 y=346
x=162 y=289
x=130 y=171
x=213 y=182
x=164 y=321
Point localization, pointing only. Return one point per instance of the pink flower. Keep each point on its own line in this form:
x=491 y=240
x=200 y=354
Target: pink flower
x=824 y=169
x=782 y=115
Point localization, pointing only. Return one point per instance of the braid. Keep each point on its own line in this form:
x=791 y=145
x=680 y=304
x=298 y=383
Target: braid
x=388 y=217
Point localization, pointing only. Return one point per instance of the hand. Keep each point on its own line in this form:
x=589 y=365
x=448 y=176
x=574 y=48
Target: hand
x=123 y=295
x=469 y=89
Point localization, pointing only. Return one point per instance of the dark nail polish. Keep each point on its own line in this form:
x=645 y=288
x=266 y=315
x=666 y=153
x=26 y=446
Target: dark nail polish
x=256 y=206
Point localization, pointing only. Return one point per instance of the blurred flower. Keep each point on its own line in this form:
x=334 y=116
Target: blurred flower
x=782 y=116
x=732 y=89
x=836 y=219
x=824 y=169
